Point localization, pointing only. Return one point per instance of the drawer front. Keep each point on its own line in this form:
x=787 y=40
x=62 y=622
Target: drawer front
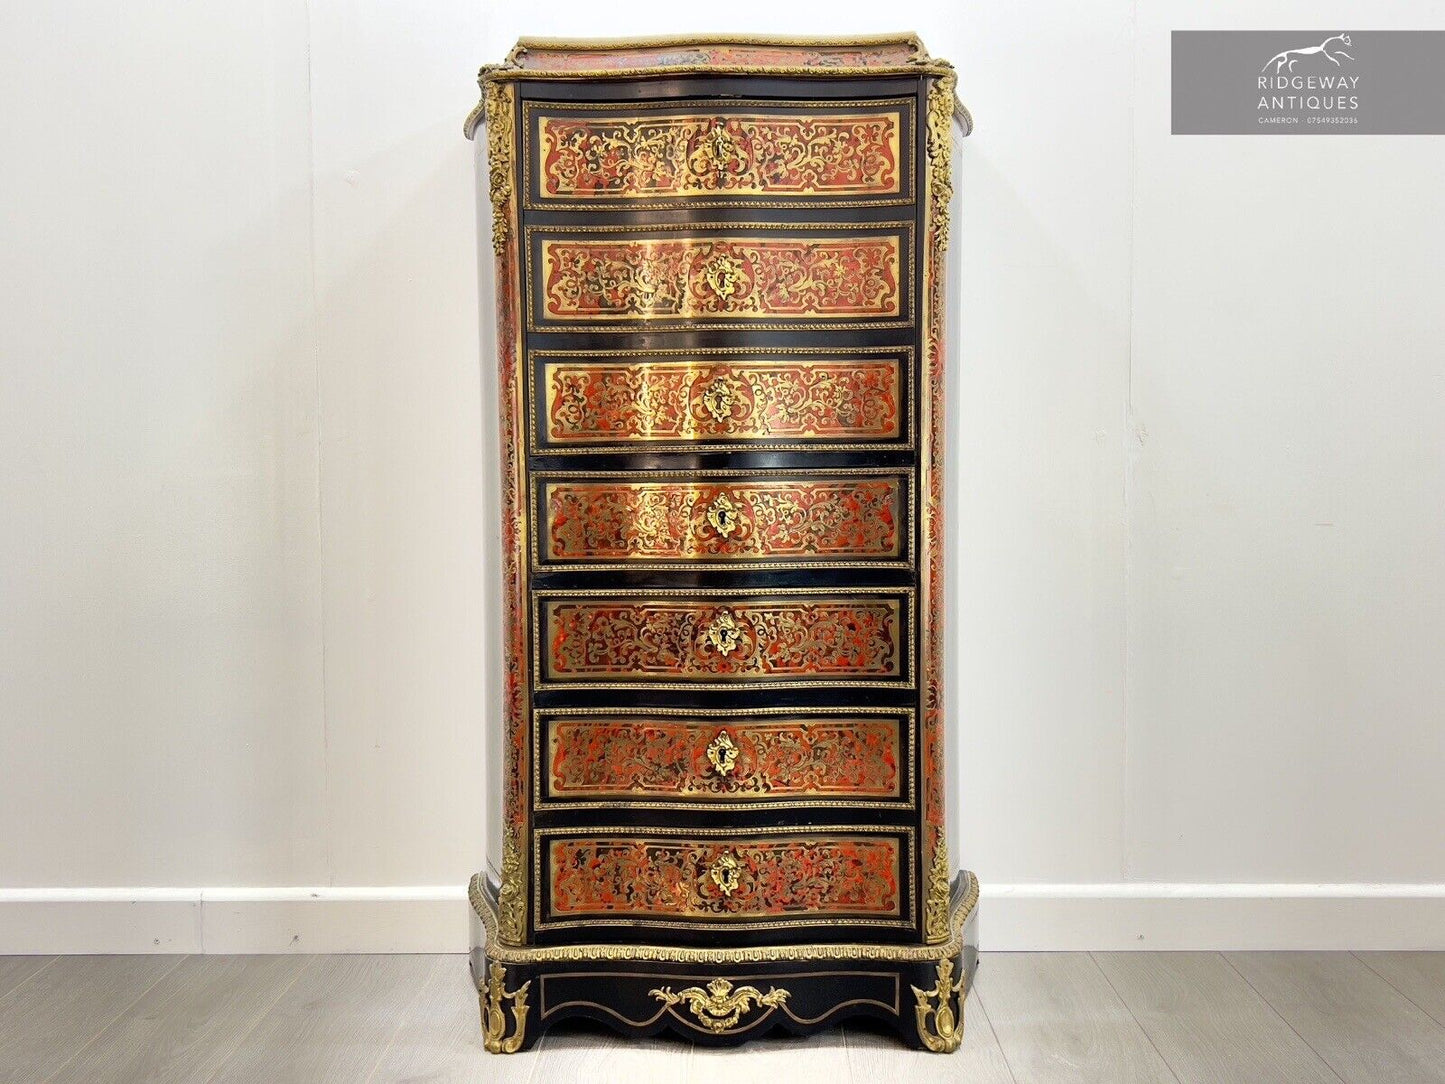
x=722 y=519
x=746 y=879
x=699 y=759
x=786 y=637
x=696 y=276
x=805 y=398
x=636 y=155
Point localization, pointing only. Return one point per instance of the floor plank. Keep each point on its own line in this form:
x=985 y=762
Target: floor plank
x=875 y=1058
x=334 y=1023
x=17 y=969
x=439 y=1039
x=1301 y=1018
x=1365 y=1029
x=48 y=1018
x=821 y=1057
x=1057 y=1020
x=1420 y=976
x=1207 y=1022
x=185 y=1026
x=581 y=1050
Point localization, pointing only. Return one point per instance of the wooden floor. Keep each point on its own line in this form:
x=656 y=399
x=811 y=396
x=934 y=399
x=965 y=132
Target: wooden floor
x=1255 y=1018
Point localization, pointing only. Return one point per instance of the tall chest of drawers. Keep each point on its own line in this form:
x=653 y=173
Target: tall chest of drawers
x=721 y=792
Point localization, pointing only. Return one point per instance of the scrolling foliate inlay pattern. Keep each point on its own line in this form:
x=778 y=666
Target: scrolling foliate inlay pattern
x=824 y=399
x=750 y=759
x=939 y=184
x=688 y=641
x=696 y=278
x=703 y=879
x=619 y=158
x=735 y=520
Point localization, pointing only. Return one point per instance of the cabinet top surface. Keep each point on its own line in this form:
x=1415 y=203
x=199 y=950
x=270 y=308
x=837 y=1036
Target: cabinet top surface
x=614 y=58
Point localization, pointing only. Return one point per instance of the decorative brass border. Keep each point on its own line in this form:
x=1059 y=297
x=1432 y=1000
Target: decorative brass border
x=905 y=355
x=634 y=324
x=500 y=103
x=483 y=908
x=907 y=864
x=683 y=564
x=904 y=681
x=905 y=107
x=938 y=191
x=907 y=717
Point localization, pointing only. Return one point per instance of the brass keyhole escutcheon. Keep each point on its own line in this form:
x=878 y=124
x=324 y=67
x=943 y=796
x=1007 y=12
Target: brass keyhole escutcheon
x=723 y=515
x=723 y=274
x=726 y=873
x=718 y=399
x=724 y=635
x=722 y=753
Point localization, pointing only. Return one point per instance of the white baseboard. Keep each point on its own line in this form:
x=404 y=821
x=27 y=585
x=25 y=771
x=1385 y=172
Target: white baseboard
x=1170 y=917
x=1036 y=917
x=419 y=918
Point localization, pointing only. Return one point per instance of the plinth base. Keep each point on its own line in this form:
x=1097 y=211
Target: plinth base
x=725 y=996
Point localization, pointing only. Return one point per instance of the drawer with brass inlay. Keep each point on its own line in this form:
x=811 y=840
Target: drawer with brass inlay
x=780 y=637
x=717 y=275
x=744 y=878
x=842 y=398
x=758 y=519
x=656 y=155
x=699 y=758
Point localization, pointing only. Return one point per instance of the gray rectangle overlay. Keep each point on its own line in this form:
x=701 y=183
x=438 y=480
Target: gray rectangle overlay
x=1308 y=82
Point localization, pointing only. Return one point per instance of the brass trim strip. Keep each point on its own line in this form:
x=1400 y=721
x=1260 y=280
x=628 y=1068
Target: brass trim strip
x=905 y=355
x=484 y=909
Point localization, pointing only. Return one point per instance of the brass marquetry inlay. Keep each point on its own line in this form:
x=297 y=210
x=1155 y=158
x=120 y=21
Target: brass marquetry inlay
x=721 y=277
x=657 y=401
x=754 y=759
x=610 y=156
x=710 y=516
x=701 y=878
x=851 y=638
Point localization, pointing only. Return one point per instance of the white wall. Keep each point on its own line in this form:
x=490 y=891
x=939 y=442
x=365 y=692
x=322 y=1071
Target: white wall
x=239 y=443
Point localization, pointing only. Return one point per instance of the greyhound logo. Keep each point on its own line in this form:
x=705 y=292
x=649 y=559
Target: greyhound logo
x=1331 y=49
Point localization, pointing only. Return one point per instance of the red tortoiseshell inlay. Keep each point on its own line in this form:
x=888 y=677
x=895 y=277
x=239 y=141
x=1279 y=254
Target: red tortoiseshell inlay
x=539 y=56
x=824 y=399
x=698 y=278
x=629 y=157
x=729 y=521
x=741 y=760
x=705 y=642
x=695 y=879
